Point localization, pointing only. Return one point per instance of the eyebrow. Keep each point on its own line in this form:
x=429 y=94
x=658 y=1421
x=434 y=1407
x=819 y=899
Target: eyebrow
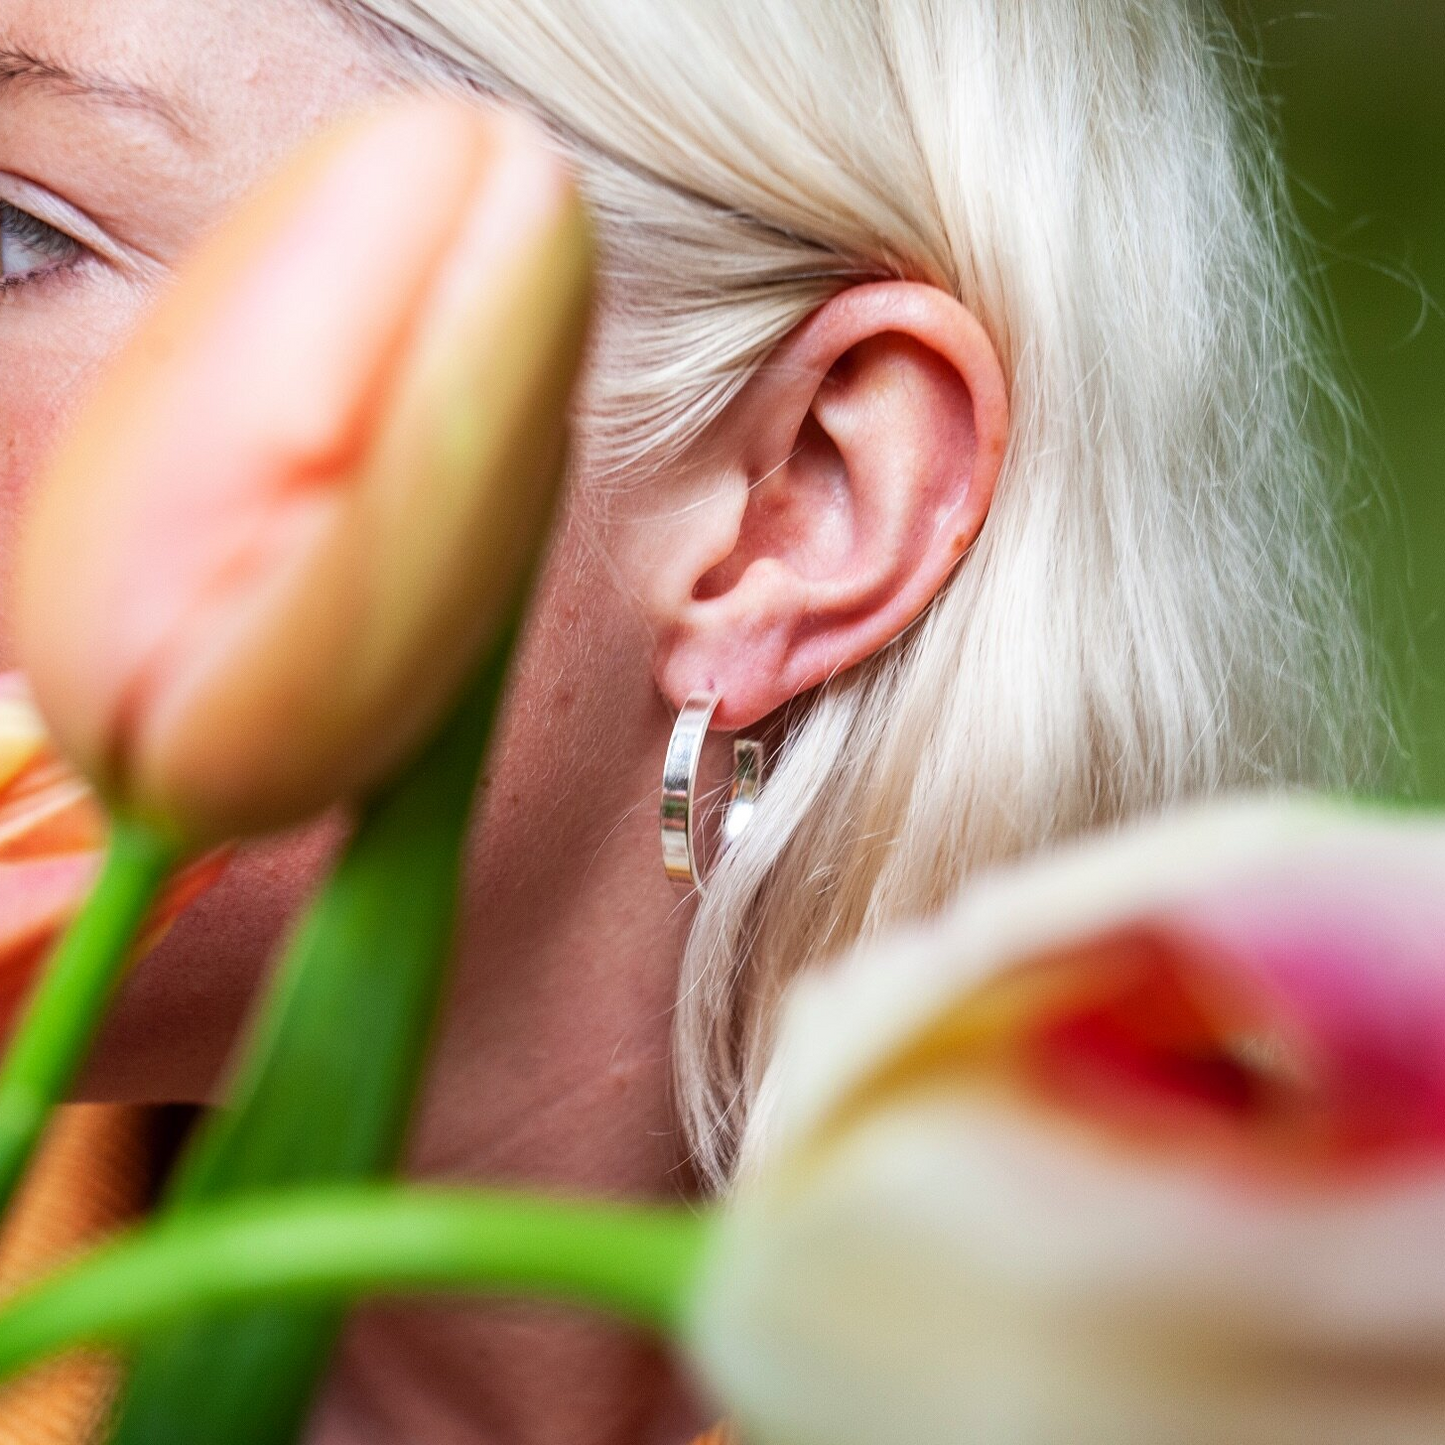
x=25 y=67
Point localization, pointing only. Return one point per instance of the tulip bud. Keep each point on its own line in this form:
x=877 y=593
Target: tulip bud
x=52 y=832
x=311 y=491
x=1143 y=1143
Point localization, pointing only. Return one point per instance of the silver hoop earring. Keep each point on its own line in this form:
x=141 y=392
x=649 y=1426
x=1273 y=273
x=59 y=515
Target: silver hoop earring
x=678 y=816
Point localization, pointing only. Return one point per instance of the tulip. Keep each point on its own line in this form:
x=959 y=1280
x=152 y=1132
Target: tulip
x=52 y=833
x=1142 y=1143
x=308 y=497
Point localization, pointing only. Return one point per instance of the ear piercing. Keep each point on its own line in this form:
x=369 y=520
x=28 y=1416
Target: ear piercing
x=678 y=815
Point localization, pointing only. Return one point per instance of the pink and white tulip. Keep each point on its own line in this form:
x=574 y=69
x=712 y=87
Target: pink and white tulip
x=1143 y=1143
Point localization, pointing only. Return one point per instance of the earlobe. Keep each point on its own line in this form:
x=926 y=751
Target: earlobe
x=844 y=485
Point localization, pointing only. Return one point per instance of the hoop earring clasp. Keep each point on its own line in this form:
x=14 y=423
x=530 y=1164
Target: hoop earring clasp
x=678 y=814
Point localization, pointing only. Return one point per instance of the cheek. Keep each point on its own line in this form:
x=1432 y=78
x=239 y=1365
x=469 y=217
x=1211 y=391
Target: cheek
x=50 y=353
x=580 y=713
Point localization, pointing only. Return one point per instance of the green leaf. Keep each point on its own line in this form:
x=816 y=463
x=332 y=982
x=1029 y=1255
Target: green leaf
x=327 y=1086
x=635 y=1261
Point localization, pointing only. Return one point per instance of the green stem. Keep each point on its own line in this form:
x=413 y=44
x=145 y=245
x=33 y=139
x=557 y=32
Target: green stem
x=329 y=1245
x=65 y=1009
x=326 y=1086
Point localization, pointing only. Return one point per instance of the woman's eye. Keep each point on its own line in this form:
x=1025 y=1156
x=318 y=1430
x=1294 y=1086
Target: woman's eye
x=30 y=249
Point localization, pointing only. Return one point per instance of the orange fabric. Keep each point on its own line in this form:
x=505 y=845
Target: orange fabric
x=93 y=1174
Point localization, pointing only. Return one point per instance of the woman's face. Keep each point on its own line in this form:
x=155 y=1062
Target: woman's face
x=127 y=127
x=833 y=500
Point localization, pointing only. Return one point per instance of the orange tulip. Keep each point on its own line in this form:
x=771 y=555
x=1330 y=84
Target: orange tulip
x=51 y=834
x=310 y=494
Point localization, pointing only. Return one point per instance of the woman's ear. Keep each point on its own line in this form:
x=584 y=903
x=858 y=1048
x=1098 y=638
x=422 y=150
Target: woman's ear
x=837 y=494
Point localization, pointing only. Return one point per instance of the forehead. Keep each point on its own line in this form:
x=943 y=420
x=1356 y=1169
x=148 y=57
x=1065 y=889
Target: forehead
x=257 y=70
x=149 y=41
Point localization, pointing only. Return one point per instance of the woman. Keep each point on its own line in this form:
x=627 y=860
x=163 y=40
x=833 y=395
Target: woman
x=948 y=421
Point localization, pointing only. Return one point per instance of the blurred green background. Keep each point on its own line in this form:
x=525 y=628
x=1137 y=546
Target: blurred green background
x=1359 y=93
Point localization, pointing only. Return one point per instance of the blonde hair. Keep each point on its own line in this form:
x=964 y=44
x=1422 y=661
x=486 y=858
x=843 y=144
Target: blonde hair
x=1156 y=607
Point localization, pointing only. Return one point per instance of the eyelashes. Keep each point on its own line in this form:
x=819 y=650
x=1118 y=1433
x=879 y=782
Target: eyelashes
x=33 y=251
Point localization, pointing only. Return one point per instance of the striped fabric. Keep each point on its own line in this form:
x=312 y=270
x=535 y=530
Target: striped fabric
x=93 y=1174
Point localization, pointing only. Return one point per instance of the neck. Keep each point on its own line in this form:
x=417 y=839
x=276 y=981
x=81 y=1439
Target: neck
x=553 y=1071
